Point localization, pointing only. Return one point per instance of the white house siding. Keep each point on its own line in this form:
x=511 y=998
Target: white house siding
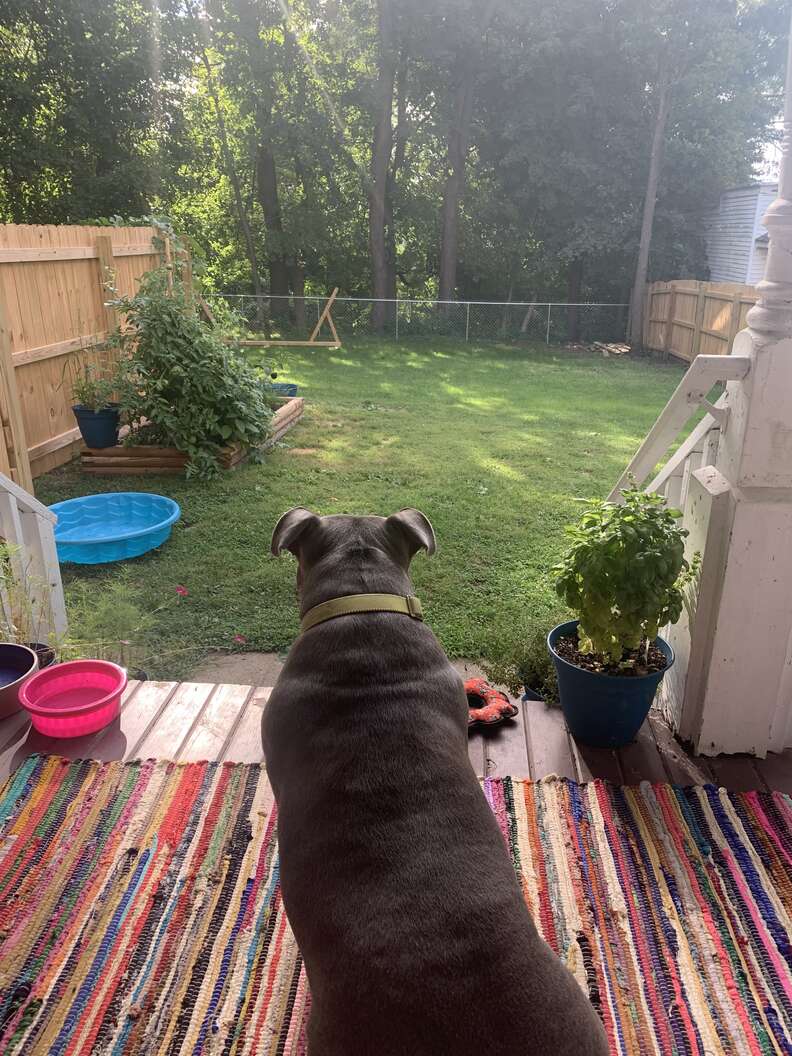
x=731 y=233
x=766 y=196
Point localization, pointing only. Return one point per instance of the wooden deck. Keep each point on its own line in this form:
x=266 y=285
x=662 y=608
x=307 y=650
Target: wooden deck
x=198 y=720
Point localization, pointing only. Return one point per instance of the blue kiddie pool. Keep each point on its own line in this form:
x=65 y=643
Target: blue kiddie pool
x=95 y=529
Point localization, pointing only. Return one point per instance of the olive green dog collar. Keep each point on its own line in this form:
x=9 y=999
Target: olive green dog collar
x=328 y=610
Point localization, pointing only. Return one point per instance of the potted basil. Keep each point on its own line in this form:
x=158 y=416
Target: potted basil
x=624 y=575
x=97 y=413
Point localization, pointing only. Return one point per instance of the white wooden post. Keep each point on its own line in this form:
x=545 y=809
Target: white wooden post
x=734 y=685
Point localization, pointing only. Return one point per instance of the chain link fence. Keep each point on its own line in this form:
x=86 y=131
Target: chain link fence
x=548 y=322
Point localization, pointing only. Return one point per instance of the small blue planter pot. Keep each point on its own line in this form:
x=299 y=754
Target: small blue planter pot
x=99 y=429
x=604 y=711
x=284 y=388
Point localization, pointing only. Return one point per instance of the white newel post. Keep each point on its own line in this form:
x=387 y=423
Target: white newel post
x=734 y=684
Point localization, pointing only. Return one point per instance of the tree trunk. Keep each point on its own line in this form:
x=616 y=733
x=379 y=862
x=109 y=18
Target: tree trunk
x=230 y=167
x=574 y=282
x=267 y=189
x=297 y=274
x=650 y=200
x=457 y=142
x=380 y=164
x=456 y=157
x=400 y=145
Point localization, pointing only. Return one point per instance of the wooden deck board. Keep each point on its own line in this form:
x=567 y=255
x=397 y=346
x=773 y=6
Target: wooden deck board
x=548 y=742
x=591 y=763
x=476 y=752
x=506 y=748
x=174 y=726
x=191 y=721
x=776 y=770
x=640 y=761
x=737 y=773
x=216 y=724
x=244 y=745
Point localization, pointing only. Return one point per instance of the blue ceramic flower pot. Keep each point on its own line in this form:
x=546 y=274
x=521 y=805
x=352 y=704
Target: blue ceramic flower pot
x=604 y=711
x=284 y=388
x=98 y=428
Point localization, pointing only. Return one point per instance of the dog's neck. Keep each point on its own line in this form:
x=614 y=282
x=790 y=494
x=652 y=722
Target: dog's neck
x=352 y=571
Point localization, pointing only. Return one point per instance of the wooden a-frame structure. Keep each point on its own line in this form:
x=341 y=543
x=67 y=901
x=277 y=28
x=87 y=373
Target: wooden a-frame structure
x=312 y=342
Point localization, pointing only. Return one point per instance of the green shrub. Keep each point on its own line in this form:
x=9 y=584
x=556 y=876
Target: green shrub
x=526 y=664
x=194 y=391
x=625 y=572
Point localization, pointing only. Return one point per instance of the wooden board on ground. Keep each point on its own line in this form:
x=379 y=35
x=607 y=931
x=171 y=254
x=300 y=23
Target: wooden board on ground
x=165 y=739
x=312 y=342
x=640 y=761
x=506 y=747
x=216 y=724
x=223 y=722
x=682 y=769
x=244 y=746
x=476 y=752
x=738 y=773
x=548 y=743
x=144 y=459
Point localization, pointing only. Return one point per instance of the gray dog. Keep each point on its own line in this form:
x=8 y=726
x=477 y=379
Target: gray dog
x=395 y=876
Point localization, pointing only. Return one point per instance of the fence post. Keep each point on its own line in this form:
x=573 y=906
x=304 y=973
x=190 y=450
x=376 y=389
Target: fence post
x=698 y=323
x=734 y=321
x=104 y=250
x=467 y=322
x=185 y=256
x=547 y=332
x=669 y=326
x=21 y=461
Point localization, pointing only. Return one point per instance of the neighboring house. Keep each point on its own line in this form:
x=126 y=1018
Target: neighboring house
x=736 y=239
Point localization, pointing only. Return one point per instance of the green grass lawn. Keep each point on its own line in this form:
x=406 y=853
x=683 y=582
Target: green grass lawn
x=494 y=444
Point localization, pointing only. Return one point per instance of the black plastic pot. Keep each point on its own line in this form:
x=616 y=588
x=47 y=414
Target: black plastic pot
x=98 y=428
x=45 y=654
x=604 y=711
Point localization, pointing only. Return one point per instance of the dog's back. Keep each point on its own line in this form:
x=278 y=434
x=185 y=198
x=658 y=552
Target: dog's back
x=395 y=876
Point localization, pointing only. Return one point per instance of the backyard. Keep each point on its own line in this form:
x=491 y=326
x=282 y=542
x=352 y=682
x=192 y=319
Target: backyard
x=494 y=443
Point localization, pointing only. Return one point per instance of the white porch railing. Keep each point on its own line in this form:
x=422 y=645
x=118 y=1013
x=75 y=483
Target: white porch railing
x=689 y=483
x=29 y=529
x=691 y=393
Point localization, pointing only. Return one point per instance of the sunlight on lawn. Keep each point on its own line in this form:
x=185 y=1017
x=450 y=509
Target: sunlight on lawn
x=494 y=444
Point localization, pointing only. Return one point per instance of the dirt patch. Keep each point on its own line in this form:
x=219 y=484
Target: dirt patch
x=303 y=450
x=239 y=669
x=262 y=669
x=633 y=664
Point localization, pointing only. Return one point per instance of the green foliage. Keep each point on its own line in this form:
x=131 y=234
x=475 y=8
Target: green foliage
x=115 y=109
x=195 y=392
x=527 y=664
x=625 y=572
x=95 y=388
x=26 y=598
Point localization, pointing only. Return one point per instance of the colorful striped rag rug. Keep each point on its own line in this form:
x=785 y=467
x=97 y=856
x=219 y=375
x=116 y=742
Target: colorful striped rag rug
x=140 y=910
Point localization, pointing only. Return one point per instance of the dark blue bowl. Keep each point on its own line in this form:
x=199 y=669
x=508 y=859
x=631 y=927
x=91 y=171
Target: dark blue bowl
x=604 y=711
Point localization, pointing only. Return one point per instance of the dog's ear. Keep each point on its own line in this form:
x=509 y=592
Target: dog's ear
x=414 y=527
x=291 y=528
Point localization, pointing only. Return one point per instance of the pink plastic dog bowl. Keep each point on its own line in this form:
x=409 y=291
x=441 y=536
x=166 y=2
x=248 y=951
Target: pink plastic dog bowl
x=75 y=698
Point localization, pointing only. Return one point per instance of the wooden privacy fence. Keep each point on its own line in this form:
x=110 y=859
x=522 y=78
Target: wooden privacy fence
x=686 y=318
x=54 y=286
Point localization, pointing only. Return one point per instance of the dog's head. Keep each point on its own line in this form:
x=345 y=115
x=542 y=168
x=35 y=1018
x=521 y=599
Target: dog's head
x=341 y=554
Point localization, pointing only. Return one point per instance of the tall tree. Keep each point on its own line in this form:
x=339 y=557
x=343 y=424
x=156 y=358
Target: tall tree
x=381 y=150
x=466 y=67
x=697 y=54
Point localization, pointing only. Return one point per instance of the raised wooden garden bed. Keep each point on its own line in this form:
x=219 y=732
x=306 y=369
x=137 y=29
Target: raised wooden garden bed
x=136 y=461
